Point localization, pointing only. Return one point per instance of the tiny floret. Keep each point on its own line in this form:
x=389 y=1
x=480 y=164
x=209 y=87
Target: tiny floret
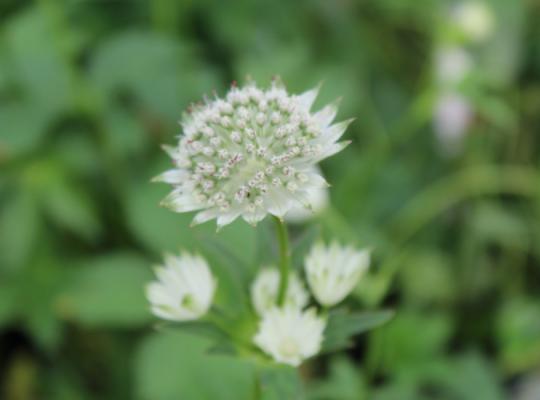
x=290 y=335
x=184 y=289
x=236 y=155
x=264 y=291
x=333 y=271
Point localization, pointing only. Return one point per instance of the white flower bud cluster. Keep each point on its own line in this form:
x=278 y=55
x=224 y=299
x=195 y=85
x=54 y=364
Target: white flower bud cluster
x=184 y=289
x=290 y=334
x=250 y=154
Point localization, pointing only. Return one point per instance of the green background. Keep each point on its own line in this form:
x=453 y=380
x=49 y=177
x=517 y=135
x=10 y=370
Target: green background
x=89 y=90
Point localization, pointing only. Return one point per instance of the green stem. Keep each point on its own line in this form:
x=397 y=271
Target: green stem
x=284 y=260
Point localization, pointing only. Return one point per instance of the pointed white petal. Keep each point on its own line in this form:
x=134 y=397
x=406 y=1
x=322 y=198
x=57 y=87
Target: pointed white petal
x=204 y=216
x=170 y=150
x=307 y=98
x=180 y=202
x=325 y=116
x=227 y=218
x=334 y=132
x=254 y=217
x=172 y=176
x=332 y=149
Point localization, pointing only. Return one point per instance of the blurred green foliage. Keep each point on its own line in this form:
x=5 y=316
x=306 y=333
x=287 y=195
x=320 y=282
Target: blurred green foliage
x=90 y=90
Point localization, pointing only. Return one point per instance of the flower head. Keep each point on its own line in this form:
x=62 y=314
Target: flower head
x=290 y=335
x=264 y=291
x=184 y=289
x=251 y=154
x=333 y=272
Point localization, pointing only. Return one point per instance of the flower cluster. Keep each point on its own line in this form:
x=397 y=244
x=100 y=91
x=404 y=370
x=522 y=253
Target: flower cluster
x=250 y=154
x=254 y=153
x=289 y=334
x=469 y=24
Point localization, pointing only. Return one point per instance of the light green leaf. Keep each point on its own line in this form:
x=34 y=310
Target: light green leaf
x=518 y=334
x=344 y=382
x=19 y=226
x=108 y=291
x=280 y=382
x=170 y=366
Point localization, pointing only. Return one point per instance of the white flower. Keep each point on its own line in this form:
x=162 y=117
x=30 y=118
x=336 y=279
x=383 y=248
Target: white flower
x=318 y=198
x=290 y=335
x=475 y=19
x=184 y=289
x=264 y=291
x=251 y=154
x=452 y=118
x=332 y=272
x=452 y=64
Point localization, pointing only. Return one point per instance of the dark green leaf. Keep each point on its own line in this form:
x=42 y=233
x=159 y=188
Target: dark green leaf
x=342 y=326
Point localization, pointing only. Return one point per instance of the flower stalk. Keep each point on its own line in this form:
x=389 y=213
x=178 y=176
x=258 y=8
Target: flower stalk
x=284 y=260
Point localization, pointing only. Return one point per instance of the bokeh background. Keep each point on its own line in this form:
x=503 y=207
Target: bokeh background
x=442 y=179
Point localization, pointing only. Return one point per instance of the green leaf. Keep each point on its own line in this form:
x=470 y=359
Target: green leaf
x=280 y=382
x=468 y=376
x=411 y=338
x=23 y=127
x=108 y=291
x=8 y=303
x=37 y=289
x=19 y=228
x=159 y=229
x=518 y=334
x=198 y=328
x=125 y=62
x=427 y=278
x=171 y=366
x=342 y=326
x=344 y=382
x=71 y=208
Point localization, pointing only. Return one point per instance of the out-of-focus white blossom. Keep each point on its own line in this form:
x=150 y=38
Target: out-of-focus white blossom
x=184 y=289
x=475 y=19
x=452 y=64
x=452 y=118
x=264 y=291
x=290 y=335
x=333 y=271
x=251 y=154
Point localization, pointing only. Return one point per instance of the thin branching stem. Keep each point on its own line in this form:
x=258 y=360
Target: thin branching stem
x=284 y=260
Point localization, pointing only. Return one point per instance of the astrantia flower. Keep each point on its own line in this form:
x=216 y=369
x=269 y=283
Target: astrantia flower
x=265 y=288
x=290 y=335
x=332 y=272
x=250 y=154
x=184 y=289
